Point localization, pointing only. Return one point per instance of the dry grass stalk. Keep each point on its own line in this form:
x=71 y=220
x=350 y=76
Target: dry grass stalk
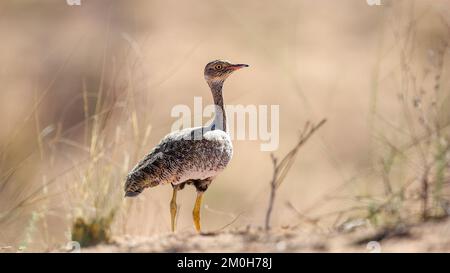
x=280 y=170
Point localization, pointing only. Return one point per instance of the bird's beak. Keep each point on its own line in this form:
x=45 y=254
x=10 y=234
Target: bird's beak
x=234 y=67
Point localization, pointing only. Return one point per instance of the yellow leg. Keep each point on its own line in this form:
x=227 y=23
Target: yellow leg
x=173 y=208
x=196 y=211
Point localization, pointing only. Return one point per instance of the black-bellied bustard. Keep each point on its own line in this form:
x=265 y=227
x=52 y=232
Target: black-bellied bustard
x=193 y=156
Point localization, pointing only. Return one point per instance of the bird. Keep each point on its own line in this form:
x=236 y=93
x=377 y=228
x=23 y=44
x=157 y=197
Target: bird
x=191 y=156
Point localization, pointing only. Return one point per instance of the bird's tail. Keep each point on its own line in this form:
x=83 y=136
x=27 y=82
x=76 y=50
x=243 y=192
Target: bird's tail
x=134 y=185
x=136 y=182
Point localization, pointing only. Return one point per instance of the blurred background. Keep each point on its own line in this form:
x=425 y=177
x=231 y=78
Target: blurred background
x=87 y=91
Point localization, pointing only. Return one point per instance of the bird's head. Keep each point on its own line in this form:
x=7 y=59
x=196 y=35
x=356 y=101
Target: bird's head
x=217 y=71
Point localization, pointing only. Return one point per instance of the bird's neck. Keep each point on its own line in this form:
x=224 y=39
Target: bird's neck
x=220 y=117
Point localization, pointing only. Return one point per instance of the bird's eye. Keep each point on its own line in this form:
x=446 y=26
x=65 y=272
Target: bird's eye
x=218 y=66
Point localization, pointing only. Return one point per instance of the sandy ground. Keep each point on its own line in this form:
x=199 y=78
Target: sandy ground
x=428 y=237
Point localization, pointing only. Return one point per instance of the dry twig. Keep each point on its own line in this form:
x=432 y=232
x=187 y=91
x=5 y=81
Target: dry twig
x=280 y=170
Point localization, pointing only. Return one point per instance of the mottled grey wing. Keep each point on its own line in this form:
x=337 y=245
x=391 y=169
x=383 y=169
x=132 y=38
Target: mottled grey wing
x=162 y=165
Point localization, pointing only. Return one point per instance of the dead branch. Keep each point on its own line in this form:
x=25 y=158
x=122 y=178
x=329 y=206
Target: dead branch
x=280 y=170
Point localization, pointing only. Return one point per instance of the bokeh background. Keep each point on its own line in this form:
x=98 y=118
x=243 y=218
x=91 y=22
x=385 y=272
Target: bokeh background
x=87 y=90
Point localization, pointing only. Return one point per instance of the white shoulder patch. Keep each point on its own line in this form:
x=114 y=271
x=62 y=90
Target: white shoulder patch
x=217 y=135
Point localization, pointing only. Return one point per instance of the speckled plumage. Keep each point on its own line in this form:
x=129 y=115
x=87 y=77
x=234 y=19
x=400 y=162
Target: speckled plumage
x=193 y=155
x=179 y=158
